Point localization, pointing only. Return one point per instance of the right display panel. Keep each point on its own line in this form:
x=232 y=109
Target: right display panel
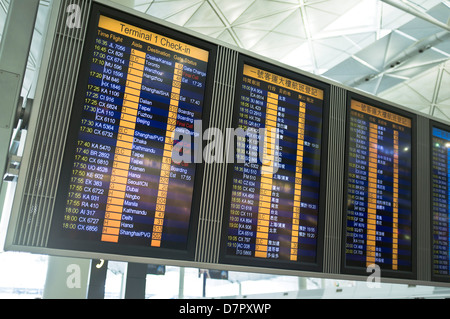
x=378 y=219
x=440 y=201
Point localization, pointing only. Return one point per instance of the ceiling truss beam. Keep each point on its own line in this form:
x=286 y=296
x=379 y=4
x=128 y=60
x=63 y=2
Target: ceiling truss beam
x=419 y=14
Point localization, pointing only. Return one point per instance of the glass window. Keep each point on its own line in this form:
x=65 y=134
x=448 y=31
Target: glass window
x=22 y=275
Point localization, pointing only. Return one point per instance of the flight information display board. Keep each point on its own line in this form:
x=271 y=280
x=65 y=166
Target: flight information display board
x=120 y=190
x=275 y=186
x=379 y=195
x=440 y=201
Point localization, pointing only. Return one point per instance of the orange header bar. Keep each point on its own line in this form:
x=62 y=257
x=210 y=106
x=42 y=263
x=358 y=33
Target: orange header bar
x=380 y=113
x=146 y=36
x=282 y=82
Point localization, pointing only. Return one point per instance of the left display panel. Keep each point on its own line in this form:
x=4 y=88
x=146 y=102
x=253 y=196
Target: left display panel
x=120 y=192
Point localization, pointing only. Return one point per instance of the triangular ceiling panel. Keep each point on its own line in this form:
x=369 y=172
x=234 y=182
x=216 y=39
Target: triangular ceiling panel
x=299 y=57
x=444 y=47
x=392 y=18
x=266 y=22
x=419 y=29
x=381 y=52
x=142 y=7
x=165 y=9
x=204 y=16
x=445 y=105
x=327 y=56
x=212 y=32
x=264 y=10
x=425 y=83
x=442 y=113
x=289 y=1
x=347 y=71
x=424 y=109
x=318 y=19
x=334 y=7
x=397 y=44
x=249 y=37
x=386 y=83
x=370 y=86
x=183 y=16
x=272 y=44
x=360 y=14
x=232 y=10
x=444 y=89
x=339 y=43
x=272 y=40
x=361 y=40
x=404 y=95
x=292 y=25
x=440 y=11
x=225 y=36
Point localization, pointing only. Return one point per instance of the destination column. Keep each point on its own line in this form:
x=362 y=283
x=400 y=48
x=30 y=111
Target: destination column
x=395 y=206
x=167 y=157
x=298 y=182
x=122 y=157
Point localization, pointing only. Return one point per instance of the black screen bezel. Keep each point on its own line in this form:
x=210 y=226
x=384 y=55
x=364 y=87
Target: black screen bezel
x=55 y=240
x=351 y=270
x=224 y=258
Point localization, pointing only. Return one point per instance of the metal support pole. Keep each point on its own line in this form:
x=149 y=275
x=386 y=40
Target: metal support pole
x=204 y=285
x=97 y=279
x=181 y=285
x=14 y=52
x=136 y=280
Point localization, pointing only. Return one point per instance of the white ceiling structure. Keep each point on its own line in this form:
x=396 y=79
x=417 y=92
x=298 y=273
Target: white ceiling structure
x=396 y=49
x=371 y=45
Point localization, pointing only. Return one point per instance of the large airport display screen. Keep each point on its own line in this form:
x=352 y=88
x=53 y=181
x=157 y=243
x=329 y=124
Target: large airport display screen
x=378 y=219
x=440 y=201
x=120 y=191
x=273 y=210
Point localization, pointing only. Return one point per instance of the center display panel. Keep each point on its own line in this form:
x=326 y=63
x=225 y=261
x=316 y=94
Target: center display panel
x=275 y=189
x=120 y=192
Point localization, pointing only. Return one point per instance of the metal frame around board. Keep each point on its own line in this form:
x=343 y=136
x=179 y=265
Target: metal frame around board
x=28 y=229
